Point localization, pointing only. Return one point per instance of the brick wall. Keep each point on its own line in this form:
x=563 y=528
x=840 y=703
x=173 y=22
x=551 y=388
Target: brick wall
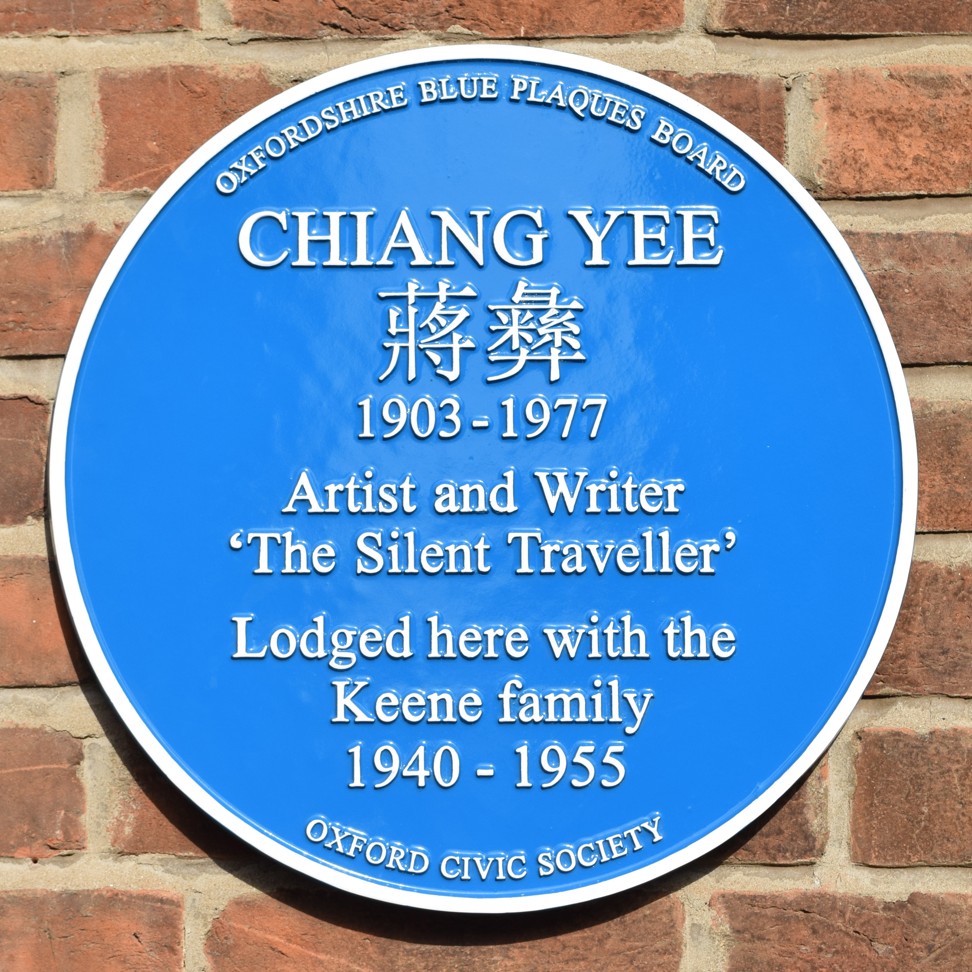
x=103 y=865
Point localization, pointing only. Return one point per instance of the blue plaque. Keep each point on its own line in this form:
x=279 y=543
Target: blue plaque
x=482 y=479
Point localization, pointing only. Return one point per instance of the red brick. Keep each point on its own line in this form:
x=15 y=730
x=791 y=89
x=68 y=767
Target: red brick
x=944 y=432
x=930 y=652
x=629 y=931
x=488 y=18
x=893 y=131
x=153 y=817
x=45 y=281
x=923 y=282
x=42 y=799
x=37 y=643
x=911 y=803
x=839 y=18
x=153 y=119
x=811 y=931
x=28 y=122
x=756 y=105
x=96 y=16
x=23 y=445
x=792 y=832
x=100 y=930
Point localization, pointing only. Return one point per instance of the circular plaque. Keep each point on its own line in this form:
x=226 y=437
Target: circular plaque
x=482 y=479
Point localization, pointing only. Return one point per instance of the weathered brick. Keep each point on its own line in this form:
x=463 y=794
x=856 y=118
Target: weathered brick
x=154 y=118
x=100 y=930
x=42 y=798
x=839 y=18
x=488 y=18
x=930 y=652
x=893 y=131
x=923 y=282
x=792 y=832
x=152 y=817
x=756 y=105
x=809 y=931
x=28 y=121
x=944 y=431
x=37 y=644
x=629 y=931
x=101 y=17
x=45 y=281
x=911 y=803
x=23 y=445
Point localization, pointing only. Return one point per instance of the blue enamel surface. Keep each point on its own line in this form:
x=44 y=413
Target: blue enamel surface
x=208 y=385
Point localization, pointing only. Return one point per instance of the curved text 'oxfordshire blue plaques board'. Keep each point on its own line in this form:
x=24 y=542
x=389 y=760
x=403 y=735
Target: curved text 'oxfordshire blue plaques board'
x=482 y=479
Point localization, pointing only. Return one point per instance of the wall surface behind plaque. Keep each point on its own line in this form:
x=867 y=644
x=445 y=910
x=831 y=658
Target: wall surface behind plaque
x=103 y=865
